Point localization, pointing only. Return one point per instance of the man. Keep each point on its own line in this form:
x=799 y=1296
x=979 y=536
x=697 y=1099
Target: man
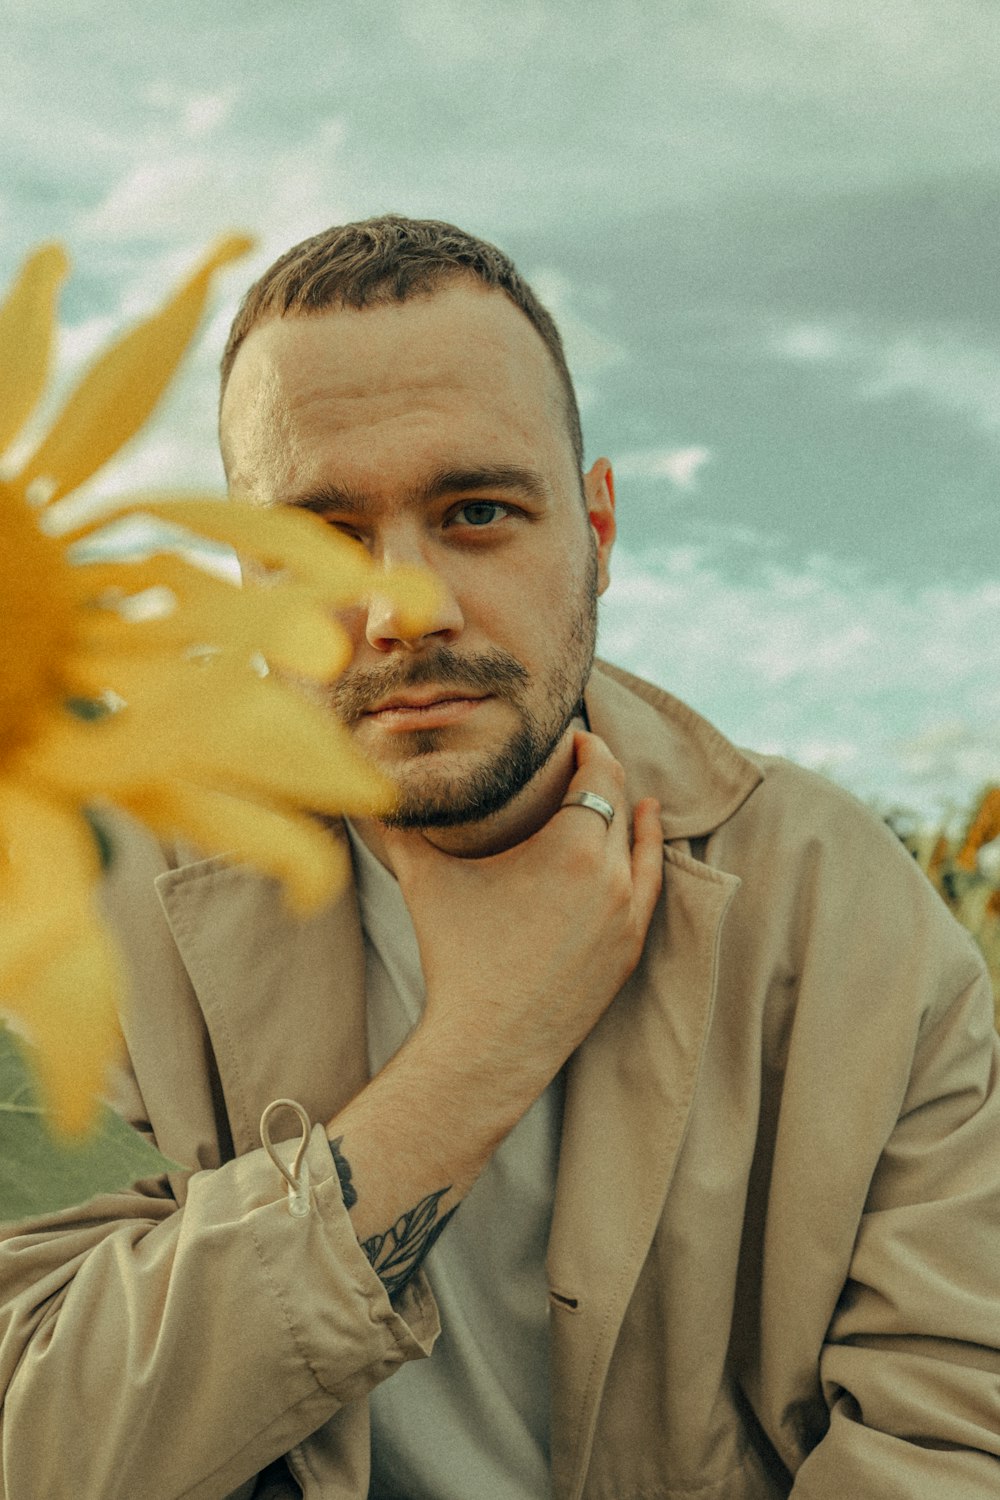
x=687 y=1141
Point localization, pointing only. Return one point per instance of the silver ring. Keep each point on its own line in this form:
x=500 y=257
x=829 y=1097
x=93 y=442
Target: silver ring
x=593 y=801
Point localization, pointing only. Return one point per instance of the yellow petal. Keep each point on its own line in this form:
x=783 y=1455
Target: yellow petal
x=280 y=537
x=27 y=325
x=304 y=857
x=285 y=624
x=92 y=580
x=215 y=725
x=121 y=388
x=69 y=1010
x=58 y=970
x=49 y=868
x=276 y=536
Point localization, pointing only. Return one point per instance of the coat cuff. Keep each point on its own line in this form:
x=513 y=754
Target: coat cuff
x=345 y=1287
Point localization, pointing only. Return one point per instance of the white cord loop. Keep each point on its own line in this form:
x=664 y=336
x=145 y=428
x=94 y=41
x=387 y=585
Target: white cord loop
x=298 y=1178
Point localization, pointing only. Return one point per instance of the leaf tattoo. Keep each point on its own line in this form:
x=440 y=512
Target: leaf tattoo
x=348 y=1191
x=397 y=1253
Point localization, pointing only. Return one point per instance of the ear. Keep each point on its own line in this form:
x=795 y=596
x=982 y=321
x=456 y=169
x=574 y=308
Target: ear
x=599 y=490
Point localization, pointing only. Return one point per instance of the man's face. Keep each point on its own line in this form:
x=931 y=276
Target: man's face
x=433 y=430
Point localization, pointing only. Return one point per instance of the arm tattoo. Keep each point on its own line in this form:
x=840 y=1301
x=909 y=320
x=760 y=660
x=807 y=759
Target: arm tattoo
x=347 y=1188
x=396 y=1254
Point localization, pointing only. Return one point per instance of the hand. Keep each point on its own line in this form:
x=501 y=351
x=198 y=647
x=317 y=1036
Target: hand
x=523 y=951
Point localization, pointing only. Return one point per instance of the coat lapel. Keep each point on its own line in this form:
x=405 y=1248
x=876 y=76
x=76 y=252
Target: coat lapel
x=630 y=1086
x=283 y=999
x=629 y=1090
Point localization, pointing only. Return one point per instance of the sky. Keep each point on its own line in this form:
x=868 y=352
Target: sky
x=767 y=228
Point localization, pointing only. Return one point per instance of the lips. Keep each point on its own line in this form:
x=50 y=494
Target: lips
x=445 y=678
x=425 y=710
x=430 y=698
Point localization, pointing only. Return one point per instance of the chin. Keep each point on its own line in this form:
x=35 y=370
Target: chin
x=449 y=789
x=450 y=801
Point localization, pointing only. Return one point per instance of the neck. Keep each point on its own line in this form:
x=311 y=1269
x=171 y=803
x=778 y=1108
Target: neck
x=524 y=815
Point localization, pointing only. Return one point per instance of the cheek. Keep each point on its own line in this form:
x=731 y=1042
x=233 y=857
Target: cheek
x=533 y=613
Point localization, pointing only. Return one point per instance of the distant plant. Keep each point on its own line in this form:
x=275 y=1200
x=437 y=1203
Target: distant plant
x=965 y=869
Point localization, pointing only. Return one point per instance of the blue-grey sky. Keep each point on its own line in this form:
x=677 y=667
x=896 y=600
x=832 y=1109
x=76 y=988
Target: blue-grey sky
x=769 y=229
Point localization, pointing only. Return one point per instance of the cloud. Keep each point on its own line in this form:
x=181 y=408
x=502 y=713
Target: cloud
x=196 y=113
x=449 y=34
x=948 y=369
x=943 y=369
x=680 y=465
x=154 y=198
x=512 y=110
x=812 y=343
x=948 y=747
x=893 y=690
x=181 y=189
x=589 y=351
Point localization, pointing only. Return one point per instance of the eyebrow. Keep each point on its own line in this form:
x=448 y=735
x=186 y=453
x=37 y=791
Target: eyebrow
x=348 y=500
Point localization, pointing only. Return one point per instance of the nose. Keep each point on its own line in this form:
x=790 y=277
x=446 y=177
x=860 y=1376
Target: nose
x=389 y=626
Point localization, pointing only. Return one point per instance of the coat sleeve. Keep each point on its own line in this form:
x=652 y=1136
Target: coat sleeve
x=910 y=1367
x=147 y=1349
x=175 y=1339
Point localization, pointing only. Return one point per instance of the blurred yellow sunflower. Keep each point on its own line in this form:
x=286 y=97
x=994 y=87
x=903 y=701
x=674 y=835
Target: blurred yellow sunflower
x=983 y=829
x=139 y=682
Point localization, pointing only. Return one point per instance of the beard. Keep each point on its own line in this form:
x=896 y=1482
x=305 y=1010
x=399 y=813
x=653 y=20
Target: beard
x=431 y=795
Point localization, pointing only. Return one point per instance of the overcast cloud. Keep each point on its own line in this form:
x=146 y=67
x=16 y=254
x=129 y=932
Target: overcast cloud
x=769 y=231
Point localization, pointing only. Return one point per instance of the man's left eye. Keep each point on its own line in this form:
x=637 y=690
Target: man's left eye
x=479 y=512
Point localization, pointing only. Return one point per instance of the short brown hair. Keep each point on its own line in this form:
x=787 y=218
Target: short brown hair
x=387 y=259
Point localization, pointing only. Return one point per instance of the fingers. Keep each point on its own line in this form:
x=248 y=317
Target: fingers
x=599 y=772
x=595 y=764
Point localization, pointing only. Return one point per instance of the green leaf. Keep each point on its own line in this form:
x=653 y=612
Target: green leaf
x=39 y=1172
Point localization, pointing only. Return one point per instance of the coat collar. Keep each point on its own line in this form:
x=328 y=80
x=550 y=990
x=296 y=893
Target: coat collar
x=669 y=752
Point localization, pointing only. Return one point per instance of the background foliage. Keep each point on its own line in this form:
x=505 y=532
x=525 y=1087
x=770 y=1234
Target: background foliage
x=963 y=865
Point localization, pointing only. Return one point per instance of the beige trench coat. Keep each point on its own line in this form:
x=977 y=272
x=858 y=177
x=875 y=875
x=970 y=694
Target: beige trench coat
x=775 y=1256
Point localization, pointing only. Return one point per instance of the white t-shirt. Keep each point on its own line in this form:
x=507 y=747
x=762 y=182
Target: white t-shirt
x=473 y=1420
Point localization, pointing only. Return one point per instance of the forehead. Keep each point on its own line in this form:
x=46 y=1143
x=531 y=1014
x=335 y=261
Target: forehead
x=459 y=376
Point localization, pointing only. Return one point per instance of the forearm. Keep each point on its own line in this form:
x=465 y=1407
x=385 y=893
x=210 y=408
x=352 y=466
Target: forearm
x=410 y=1145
